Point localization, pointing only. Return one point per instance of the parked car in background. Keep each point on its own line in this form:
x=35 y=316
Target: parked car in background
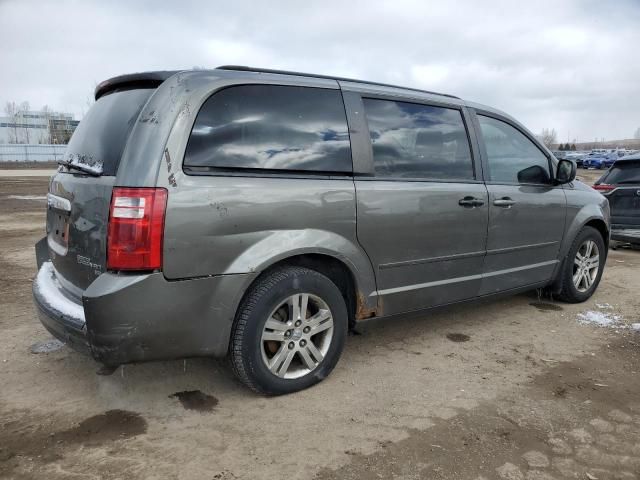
x=576 y=157
x=625 y=153
x=621 y=186
x=258 y=214
x=599 y=160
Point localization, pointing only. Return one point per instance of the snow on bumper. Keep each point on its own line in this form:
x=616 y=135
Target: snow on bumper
x=50 y=292
x=59 y=314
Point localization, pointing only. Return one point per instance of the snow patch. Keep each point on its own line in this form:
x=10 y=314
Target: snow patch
x=28 y=197
x=600 y=319
x=49 y=288
x=603 y=306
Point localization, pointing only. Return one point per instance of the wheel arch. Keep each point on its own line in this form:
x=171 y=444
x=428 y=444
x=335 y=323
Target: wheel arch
x=342 y=273
x=600 y=225
x=594 y=222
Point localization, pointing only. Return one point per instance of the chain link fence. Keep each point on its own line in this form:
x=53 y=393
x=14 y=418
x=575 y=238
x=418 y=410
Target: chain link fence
x=31 y=153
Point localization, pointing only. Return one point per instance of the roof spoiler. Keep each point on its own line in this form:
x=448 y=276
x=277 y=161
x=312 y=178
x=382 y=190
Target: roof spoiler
x=133 y=80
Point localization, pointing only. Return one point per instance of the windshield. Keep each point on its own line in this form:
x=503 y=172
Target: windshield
x=98 y=142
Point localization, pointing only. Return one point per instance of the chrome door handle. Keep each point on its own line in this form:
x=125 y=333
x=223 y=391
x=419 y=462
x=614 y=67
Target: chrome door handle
x=504 y=202
x=470 y=202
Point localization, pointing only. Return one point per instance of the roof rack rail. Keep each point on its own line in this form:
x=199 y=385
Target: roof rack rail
x=244 y=68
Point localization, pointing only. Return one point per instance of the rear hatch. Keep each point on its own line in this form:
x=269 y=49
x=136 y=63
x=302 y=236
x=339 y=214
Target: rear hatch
x=80 y=193
x=624 y=198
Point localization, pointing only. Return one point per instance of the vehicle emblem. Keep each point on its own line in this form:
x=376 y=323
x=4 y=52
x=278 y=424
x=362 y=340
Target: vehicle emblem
x=87 y=261
x=638 y=193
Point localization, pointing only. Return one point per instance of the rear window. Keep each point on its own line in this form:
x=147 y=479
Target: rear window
x=271 y=127
x=102 y=134
x=411 y=140
x=623 y=172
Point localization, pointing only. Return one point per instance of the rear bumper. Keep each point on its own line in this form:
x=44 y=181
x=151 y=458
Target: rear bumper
x=134 y=318
x=61 y=316
x=630 y=235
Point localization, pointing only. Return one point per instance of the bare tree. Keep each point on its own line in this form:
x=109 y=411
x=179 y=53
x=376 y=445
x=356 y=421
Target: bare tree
x=46 y=110
x=24 y=110
x=11 y=110
x=549 y=137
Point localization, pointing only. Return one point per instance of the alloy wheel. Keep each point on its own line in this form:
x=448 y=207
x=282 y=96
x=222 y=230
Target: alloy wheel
x=297 y=336
x=586 y=265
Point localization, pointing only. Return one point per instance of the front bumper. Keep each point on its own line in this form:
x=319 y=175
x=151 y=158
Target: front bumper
x=134 y=318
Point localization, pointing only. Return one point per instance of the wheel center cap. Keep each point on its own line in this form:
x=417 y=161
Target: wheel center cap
x=296 y=334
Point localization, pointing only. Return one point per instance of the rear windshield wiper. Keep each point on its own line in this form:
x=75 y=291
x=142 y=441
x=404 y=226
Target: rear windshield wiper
x=79 y=167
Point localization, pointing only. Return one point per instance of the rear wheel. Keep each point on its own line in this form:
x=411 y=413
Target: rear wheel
x=289 y=331
x=582 y=268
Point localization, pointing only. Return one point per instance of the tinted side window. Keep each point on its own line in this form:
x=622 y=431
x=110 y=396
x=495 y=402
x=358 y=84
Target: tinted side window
x=418 y=141
x=271 y=127
x=511 y=156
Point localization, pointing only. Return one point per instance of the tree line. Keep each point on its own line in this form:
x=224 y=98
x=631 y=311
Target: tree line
x=566 y=147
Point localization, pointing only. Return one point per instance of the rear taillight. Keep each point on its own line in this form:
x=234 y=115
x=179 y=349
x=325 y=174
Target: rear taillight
x=136 y=226
x=604 y=187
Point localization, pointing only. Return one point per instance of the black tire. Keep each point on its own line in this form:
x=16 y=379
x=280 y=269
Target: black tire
x=265 y=295
x=568 y=291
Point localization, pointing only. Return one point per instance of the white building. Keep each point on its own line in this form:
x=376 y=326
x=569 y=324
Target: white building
x=37 y=127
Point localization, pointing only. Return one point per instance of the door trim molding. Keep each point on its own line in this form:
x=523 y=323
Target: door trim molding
x=457 y=256
x=460 y=256
x=497 y=251
x=438 y=283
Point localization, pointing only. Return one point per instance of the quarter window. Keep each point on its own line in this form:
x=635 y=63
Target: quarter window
x=511 y=156
x=271 y=127
x=411 y=140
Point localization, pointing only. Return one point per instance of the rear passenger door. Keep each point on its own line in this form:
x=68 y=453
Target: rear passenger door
x=526 y=209
x=421 y=208
x=267 y=174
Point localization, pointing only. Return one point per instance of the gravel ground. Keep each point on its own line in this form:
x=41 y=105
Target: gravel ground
x=516 y=388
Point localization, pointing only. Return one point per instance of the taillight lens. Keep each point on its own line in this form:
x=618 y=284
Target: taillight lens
x=604 y=187
x=136 y=227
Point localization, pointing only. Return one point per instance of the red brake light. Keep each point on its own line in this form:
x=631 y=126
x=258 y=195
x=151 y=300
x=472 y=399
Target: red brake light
x=136 y=227
x=604 y=187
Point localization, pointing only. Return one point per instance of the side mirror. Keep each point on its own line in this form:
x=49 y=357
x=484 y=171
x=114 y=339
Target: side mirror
x=534 y=174
x=566 y=172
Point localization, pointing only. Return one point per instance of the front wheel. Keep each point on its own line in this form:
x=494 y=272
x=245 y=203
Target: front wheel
x=583 y=266
x=289 y=331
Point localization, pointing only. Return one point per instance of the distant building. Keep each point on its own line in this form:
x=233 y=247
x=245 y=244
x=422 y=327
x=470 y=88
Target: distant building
x=37 y=127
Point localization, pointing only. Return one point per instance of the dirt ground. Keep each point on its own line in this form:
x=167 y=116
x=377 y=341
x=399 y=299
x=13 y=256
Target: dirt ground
x=511 y=389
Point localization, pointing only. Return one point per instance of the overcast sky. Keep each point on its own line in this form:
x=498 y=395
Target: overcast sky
x=569 y=65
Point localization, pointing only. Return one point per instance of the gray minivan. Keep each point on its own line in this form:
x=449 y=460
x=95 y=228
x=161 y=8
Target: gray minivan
x=259 y=214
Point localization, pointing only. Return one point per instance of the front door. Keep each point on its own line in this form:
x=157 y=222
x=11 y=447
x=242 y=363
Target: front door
x=422 y=217
x=526 y=210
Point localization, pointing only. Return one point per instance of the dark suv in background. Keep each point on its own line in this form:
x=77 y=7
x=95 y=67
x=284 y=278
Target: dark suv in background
x=258 y=214
x=621 y=186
